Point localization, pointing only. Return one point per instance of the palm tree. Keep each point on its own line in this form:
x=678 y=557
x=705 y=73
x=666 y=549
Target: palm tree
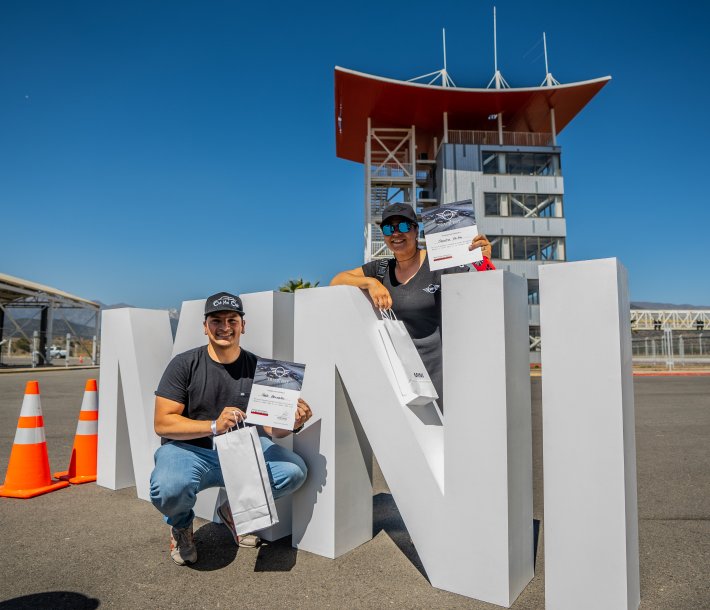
x=293 y=285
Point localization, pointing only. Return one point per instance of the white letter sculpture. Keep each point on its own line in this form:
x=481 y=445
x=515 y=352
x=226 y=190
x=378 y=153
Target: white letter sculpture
x=135 y=349
x=462 y=483
x=591 y=521
x=464 y=489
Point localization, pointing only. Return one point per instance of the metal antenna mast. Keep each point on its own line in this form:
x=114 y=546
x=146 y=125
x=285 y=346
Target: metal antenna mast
x=446 y=80
x=549 y=79
x=498 y=79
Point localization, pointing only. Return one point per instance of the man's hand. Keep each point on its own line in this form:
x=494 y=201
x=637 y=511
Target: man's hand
x=303 y=414
x=380 y=296
x=481 y=241
x=229 y=418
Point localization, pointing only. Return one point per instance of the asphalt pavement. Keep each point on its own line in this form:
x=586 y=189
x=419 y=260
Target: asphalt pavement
x=90 y=547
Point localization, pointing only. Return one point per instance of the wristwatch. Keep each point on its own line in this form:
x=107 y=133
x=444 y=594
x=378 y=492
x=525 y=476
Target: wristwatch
x=213 y=427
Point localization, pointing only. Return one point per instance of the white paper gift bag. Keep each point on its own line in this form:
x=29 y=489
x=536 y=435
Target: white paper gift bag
x=414 y=383
x=246 y=480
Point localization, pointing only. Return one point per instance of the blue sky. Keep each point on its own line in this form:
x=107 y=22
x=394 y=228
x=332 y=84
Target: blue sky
x=153 y=152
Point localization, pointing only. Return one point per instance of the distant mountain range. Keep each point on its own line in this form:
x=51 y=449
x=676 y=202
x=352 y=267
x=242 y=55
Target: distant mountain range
x=647 y=305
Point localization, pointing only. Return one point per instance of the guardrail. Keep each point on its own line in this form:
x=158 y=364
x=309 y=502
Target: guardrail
x=391 y=170
x=510 y=138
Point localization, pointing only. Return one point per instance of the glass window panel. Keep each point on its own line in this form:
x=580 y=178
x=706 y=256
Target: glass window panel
x=530 y=202
x=490 y=163
x=492 y=204
x=548 y=249
x=529 y=164
x=512 y=163
x=547 y=206
x=533 y=292
x=516 y=205
x=534 y=248
x=522 y=204
x=531 y=248
x=518 y=248
x=495 y=247
x=543 y=164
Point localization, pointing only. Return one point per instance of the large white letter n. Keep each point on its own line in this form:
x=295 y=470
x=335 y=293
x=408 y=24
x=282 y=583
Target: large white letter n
x=464 y=489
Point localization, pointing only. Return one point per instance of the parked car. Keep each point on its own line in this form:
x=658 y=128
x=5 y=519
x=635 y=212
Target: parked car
x=57 y=352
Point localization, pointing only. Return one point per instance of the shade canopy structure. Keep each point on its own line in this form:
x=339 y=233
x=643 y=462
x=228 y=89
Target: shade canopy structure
x=14 y=289
x=392 y=103
x=20 y=294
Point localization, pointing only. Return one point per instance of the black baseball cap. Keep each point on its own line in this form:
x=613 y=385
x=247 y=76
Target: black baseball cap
x=399 y=209
x=223 y=301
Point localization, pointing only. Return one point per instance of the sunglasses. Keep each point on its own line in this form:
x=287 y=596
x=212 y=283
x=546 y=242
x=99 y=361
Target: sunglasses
x=403 y=227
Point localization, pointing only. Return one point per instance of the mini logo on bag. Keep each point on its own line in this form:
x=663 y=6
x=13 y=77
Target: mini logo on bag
x=420 y=375
x=431 y=288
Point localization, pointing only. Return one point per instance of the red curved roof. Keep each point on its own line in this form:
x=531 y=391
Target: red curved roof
x=393 y=103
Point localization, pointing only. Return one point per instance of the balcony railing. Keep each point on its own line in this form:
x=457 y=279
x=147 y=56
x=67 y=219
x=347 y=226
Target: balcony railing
x=379 y=250
x=391 y=170
x=510 y=138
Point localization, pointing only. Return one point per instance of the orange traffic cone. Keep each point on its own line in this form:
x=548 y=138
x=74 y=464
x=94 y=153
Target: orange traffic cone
x=28 y=470
x=82 y=466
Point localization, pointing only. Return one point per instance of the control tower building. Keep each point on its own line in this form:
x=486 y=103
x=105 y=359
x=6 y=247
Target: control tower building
x=430 y=145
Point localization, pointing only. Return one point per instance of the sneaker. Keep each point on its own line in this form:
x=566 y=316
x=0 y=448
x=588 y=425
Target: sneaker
x=182 y=545
x=249 y=541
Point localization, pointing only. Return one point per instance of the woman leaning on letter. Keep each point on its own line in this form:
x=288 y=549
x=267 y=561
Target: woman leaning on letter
x=409 y=287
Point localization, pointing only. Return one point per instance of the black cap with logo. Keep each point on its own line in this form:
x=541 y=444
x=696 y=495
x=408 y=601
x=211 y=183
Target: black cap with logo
x=223 y=301
x=399 y=209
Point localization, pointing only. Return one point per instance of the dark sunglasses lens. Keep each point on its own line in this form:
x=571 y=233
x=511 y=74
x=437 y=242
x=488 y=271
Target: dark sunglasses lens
x=402 y=227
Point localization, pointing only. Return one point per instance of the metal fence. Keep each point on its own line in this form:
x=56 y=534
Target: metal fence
x=671 y=349
x=510 y=138
x=69 y=350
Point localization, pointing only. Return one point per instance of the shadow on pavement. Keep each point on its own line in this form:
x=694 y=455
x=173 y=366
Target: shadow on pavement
x=385 y=516
x=276 y=556
x=54 y=600
x=215 y=548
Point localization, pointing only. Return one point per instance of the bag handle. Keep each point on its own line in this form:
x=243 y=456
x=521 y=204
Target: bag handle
x=388 y=314
x=239 y=421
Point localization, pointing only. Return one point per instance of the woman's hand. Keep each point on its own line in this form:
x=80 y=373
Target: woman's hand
x=356 y=277
x=481 y=241
x=380 y=296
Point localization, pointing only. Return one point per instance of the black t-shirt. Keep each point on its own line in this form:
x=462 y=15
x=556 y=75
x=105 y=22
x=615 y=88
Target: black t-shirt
x=206 y=387
x=418 y=305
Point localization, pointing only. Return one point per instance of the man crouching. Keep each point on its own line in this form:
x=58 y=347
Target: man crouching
x=196 y=400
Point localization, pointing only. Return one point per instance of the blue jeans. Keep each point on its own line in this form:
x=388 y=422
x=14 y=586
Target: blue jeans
x=181 y=470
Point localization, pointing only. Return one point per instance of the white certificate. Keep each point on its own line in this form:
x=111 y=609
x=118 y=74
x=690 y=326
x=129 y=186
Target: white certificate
x=274 y=393
x=448 y=232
